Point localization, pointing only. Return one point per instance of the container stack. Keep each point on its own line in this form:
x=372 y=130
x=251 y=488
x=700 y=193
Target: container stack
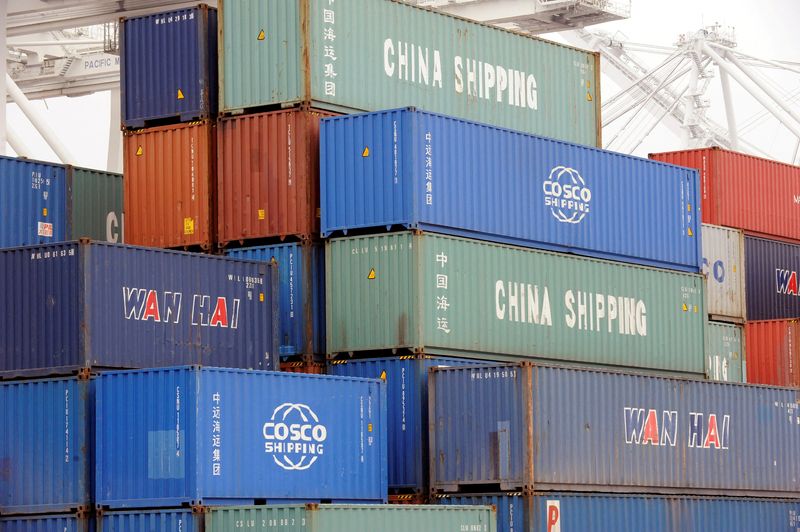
x=751 y=256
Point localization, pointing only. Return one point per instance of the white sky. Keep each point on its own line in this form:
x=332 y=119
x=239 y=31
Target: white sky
x=767 y=29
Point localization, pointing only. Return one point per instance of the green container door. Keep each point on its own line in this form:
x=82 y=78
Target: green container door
x=725 y=352
x=369 y=55
x=447 y=295
x=350 y=518
x=96 y=206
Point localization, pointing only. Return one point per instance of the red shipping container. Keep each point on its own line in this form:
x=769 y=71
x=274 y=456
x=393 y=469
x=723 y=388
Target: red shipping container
x=745 y=192
x=169 y=177
x=268 y=175
x=773 y=352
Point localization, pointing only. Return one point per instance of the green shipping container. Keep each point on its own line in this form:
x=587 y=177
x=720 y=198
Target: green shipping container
x=725 y=348
x=369 y=55
x=446 y=295
x=96 y=206
x=349 y=518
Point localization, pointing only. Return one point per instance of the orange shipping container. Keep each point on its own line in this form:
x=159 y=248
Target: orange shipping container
x=268 y=175
x=316 y=368
x=773 y=352
x=169 y=178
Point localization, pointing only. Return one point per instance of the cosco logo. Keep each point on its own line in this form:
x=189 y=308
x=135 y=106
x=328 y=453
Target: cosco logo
x=567 y=195
x=294 y=436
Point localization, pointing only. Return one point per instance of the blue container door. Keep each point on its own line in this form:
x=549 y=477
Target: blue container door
x=33 y=203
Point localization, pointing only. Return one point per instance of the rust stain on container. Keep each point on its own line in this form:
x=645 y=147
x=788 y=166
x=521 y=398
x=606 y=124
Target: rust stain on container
x=169 y=177
x=268 y=168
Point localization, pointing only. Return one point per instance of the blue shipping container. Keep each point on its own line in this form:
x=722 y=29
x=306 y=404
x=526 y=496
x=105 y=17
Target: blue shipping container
x=412 y=169
x=771 y=279
x=192 y=436
x=47 y=523
x=556 y=512
x=177 y=520
x=168 y=67
x=301 y=268
x=46 y=446
x=406 y=379
x=530 y=427
x=90 y=305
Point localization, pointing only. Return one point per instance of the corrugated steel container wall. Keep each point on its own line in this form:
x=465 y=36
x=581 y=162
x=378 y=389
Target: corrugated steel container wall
x=406 y=379
x=158 y=444
x=723 y=266
x=446 y=295
x=773 y=352
x=183 y=520
x=771 y=272
x=558 y=511
x=96 y=205
x=46 y=446
x=734 y=194
x=347 y=518
x=33 y=202
x=168 y=67
x=268 y=179
x=301 y=268
x=71 y=306
x=47 y=523
x=725 y=352
x=550 y=428
x=425 y=171
x=290 y=54
x=169 y=183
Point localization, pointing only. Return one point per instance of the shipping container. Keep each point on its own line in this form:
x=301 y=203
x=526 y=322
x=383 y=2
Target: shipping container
x=47 y=523
x=557 y=511
x=169 y=182
x=164 y=520
x=85 y=305
x=46 y=446
x=301 y=270
x=416 y=170
x=725 y=352
x=406 y=379
x=168 y=66
x=743 y=191
x=304 y=366
x=290 y=55
x=349 y=518
x=771 y=271
x=522 y=427
x=445 y=295
x=723 y=266
x=773 y=352
x=41 y=203
x=209 y=436
x=268 y=178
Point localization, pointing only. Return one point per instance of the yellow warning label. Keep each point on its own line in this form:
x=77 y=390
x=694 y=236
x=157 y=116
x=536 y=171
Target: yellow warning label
x=365 y=153
x=44 y=211
x=369 y=427
x=685 y=308
x=273 y=261
x=188 y=226
x=139 y=151
x=691 y=233
x=383 y=375
x=695 y=309
x=262 y=214
x=371 y=273
x=689 y=207
x=261 y=297
x=734 y=268
x=588 y=84
x=589 y=96
x=261 y=35
x=180 y=94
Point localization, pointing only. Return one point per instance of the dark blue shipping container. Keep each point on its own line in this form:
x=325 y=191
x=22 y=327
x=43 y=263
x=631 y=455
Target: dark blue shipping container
x=177 y=520
x=411 y=169
x=169 y=66
x=301 y=268
x=528 y=427
x=557 y=512
x=771 y=279
x=33 y=202
x=87 y=305
x=191 y=436
x=46 y=446
x=406 y=380
x=48 y=523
